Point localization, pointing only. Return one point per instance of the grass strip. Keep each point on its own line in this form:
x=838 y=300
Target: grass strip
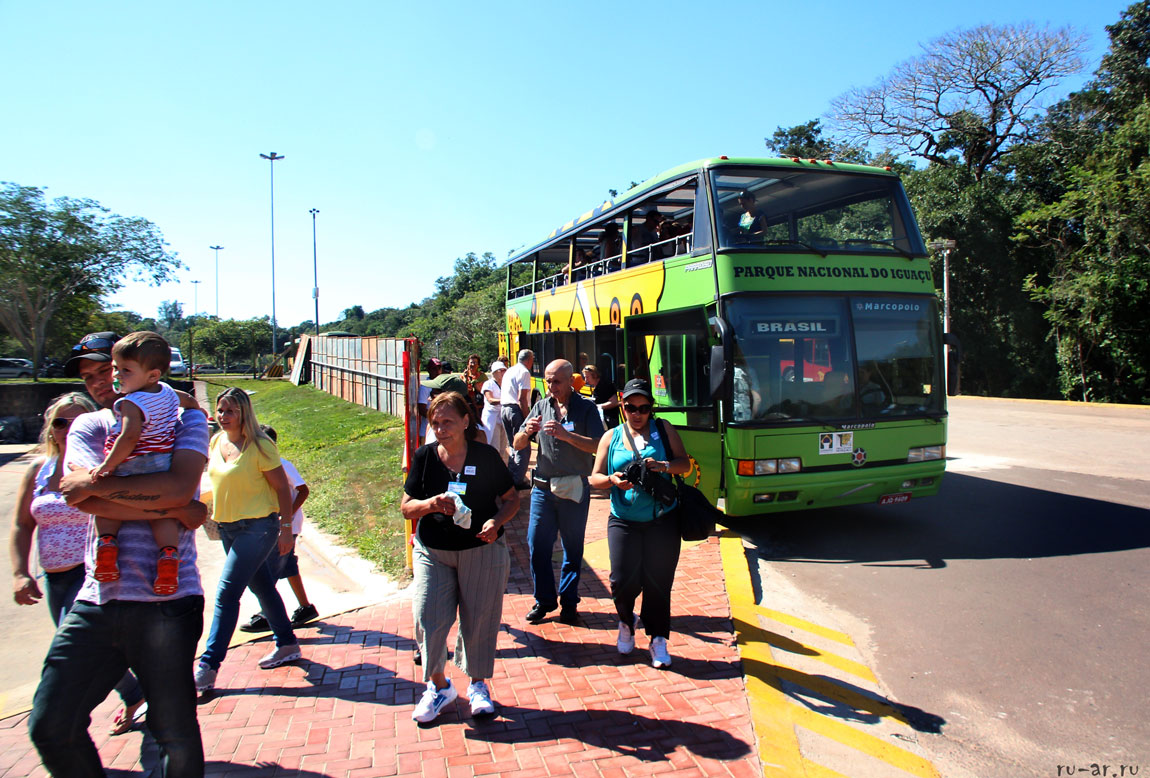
x=350 y=457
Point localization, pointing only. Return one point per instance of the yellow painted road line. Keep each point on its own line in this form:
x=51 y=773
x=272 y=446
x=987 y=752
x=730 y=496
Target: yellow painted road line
x=816 y=770
x=833 y=689
x=807 y=626
x=834 y=660
x=864 y=742
x=770 y=708
x=774 y=712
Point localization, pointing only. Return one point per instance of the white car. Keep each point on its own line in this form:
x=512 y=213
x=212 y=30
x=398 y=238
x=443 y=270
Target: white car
x=177 y=368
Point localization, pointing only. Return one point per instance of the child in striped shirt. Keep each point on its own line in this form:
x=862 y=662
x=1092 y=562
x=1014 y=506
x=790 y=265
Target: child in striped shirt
x=141 y=442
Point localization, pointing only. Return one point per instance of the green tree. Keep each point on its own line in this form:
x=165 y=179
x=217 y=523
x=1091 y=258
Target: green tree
x=52 y=252
x=1091 y=172
x=807 y=141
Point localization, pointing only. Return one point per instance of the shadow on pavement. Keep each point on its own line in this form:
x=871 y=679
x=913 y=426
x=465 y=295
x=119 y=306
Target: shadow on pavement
x=628 y=734
x=971 y=518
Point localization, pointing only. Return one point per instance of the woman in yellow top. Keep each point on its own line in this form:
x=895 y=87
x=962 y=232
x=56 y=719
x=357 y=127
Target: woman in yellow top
x=253 y=501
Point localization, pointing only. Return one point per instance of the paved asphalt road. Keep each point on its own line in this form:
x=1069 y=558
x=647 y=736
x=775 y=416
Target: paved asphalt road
x=1013 y=606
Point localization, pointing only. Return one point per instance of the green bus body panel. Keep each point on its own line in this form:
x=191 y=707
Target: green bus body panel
x=751 y=272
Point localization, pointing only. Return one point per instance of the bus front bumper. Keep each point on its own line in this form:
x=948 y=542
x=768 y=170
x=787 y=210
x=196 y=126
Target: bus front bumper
x=885 y=485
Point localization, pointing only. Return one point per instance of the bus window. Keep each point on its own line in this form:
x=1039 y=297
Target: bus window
x=796 y=209
x=896 y=340
x=662 y=227
x=794 y=358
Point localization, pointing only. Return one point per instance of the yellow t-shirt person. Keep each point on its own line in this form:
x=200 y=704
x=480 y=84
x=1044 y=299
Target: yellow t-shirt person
x=239 y=489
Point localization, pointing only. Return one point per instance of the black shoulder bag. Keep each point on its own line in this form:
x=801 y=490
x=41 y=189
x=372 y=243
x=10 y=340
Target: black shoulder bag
x=696 y=515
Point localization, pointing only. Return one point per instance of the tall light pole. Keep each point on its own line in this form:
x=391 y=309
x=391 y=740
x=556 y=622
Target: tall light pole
x=217 y=250
x=196 y=297
x=315 y=269
x=272 y=158
x=192 y=328
x=945 y=246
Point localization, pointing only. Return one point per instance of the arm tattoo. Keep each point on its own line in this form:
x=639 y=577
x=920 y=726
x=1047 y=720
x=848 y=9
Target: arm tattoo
x=132 y=496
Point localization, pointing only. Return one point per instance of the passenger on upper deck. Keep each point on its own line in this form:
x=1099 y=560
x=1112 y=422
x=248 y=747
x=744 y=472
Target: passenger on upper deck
x=648 y=235
x=610 y=242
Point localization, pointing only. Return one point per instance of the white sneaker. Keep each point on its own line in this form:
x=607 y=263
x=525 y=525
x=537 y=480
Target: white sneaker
x=433 y=701
x=281 y=655
x=204 y=677
x=660 y=658
x=480 y=697
x=625 y=642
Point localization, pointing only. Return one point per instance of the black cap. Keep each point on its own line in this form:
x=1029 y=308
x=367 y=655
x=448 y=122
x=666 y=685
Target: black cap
x=638 y=386
x=95 y=346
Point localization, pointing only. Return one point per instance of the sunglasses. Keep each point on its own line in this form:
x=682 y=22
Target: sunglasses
x=644 y=408
x=94 y=344
x=60 y=423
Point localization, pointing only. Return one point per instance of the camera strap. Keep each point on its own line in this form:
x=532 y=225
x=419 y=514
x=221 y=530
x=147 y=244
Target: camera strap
x=638 y=458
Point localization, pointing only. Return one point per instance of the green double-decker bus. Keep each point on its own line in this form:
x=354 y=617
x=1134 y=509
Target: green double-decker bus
x=784 y=312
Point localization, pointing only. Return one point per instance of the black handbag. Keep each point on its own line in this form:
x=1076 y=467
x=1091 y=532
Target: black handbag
x=694 y=514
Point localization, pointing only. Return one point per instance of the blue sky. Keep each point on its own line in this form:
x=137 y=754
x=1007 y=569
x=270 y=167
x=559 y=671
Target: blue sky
x=421 y=131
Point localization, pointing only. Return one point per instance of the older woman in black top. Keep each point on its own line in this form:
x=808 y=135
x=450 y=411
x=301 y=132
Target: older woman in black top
x=460 y=562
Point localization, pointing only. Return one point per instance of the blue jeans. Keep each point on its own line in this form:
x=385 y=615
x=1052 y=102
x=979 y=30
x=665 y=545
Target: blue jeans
x=248 y=544
x=551 y=517
x=93 y=647
x=61 y=589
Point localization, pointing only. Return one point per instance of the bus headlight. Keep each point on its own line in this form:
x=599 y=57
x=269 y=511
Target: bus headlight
x=768 y=466
x=925 y=453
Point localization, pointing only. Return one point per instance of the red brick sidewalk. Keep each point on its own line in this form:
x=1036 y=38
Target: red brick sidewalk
x=569 y=704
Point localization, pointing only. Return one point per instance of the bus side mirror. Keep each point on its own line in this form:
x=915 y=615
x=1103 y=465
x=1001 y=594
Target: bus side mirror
x=953 y=363
x=718 y=372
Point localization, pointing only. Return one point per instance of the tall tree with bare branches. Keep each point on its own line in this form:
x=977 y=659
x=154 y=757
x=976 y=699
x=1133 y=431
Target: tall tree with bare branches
x=967 y=99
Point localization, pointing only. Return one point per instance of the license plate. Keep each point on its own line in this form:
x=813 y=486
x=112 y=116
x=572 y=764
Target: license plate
x=894 y=499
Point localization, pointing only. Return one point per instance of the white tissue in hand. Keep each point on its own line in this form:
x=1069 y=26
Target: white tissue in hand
x=462 y=515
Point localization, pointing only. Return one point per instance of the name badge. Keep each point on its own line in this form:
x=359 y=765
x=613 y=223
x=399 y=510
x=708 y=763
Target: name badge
x=469 y=470
x=569 y=426
x=458 y=487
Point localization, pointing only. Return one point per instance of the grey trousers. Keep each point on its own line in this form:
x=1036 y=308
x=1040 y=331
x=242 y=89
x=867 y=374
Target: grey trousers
x=471 y=583
x=512 y=416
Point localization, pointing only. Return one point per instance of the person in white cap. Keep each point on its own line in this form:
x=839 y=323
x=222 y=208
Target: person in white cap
x=489 y=417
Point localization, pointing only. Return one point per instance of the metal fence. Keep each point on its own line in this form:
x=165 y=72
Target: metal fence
x=377 y=373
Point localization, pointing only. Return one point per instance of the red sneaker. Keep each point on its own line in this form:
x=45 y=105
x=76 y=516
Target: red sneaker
x=107 y=559
x=167 y=572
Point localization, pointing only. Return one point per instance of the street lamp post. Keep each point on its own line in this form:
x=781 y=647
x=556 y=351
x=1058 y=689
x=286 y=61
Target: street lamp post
x=315 y=269
x=192 y=328
x=945 y=246
x=196 y=298
x=217 y=250
x=272 y=159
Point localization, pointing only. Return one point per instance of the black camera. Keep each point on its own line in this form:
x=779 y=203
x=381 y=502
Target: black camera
x=651 y=482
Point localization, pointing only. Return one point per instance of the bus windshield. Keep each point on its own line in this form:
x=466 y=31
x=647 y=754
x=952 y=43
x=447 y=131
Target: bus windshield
x=785 y=209
x=804 y=357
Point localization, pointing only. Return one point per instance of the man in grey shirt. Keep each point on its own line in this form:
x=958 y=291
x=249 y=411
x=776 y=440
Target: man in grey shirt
x=568 y=428
x=123 y=624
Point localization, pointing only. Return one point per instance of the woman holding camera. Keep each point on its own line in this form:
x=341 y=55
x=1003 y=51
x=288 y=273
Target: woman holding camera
x=642 y=534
